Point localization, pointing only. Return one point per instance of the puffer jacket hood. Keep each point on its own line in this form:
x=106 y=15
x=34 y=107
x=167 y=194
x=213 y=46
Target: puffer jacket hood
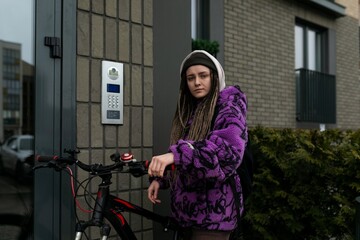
x=218 y=66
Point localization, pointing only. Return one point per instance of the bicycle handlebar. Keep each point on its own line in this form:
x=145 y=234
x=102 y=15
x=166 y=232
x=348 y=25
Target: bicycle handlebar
x=136 y=168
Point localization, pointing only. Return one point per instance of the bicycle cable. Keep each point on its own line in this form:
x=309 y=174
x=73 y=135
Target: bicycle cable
x=75 y=193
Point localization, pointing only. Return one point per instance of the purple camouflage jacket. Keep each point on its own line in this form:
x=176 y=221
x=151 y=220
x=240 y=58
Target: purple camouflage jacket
x=201 y=196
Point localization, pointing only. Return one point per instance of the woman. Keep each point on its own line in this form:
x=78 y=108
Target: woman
x=208 y=139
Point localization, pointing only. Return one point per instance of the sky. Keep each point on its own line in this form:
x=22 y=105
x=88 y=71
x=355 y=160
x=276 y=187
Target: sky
x=17 y=25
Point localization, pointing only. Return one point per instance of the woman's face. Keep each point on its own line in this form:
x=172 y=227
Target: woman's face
x=198 y=79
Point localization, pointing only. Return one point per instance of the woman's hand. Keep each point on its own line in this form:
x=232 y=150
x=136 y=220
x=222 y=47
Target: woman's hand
x=153 y=191
x=158 y=164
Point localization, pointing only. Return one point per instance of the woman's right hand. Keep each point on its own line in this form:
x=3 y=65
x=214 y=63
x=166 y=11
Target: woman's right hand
x=159 y=163
x=153 y=191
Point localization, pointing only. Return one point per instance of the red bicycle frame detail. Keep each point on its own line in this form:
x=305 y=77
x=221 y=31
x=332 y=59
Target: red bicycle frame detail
x=127 y=204
x=120 y=216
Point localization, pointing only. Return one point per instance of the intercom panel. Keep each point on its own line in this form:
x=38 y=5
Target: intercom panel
x=112 y=93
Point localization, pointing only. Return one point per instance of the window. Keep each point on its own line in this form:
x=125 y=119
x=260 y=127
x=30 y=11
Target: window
x=310 y=47
x=11 y=86
x=315 y=87
x=200 y=19
x=26 y=144
x=12 y=143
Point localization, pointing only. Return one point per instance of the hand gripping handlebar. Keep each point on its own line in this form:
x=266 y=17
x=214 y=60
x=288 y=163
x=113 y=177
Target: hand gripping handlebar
x=136 y=168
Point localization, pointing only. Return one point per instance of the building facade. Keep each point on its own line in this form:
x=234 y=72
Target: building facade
x=268 y=44
x=296 y=60
x=273 y=49
x=11 y=89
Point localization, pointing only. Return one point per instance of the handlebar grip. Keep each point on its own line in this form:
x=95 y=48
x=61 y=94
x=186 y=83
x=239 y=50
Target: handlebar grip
x=41 y=158
x=146 y=164
x=171 y=167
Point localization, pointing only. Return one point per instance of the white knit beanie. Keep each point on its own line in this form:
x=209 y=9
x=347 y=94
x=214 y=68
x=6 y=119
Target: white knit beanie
x=195 y=58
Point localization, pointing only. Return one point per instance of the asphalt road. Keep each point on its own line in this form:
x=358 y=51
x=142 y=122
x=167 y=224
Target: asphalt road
x=15 y=198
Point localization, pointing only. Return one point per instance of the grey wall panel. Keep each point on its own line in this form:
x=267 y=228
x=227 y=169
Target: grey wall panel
x=172 y=42
x=68 y=112
x=217 y=26
x=45 y=131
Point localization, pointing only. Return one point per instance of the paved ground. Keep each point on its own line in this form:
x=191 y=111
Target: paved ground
x=14 y=198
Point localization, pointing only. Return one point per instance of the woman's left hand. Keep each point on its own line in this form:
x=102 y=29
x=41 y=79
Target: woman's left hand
x=159 y=163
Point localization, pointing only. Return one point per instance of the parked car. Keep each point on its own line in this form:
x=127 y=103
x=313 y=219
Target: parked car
x=17 y=156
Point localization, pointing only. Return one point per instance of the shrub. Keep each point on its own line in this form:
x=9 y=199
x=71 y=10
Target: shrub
x=305 y=184
x=211 y=47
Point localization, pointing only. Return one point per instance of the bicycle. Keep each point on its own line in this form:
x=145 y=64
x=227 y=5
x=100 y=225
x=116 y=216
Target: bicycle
x=108 y=206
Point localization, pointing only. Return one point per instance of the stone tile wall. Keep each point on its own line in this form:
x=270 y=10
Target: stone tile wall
x=121 y=31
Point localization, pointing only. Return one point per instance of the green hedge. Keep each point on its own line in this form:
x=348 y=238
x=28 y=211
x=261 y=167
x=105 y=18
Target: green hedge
x=211 y=47
x=305 y=184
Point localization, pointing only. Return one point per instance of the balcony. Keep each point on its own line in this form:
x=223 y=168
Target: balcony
x=315 y=97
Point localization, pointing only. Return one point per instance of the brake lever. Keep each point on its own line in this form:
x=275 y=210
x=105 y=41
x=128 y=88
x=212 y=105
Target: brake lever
x=51 y=164
x=39 y=166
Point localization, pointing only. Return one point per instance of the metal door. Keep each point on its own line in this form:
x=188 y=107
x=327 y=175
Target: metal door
x=55 y=58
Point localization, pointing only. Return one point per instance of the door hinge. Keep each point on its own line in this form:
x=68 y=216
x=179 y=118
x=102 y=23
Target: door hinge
x=55 y=46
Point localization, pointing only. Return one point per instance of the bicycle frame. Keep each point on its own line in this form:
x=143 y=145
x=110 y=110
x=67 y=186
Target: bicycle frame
x=111 y=207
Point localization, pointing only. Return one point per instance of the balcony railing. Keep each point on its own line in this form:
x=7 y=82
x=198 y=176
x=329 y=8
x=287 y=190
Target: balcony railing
x=315 y=97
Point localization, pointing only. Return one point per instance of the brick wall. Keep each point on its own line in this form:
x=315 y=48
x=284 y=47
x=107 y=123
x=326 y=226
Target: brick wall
x=259 y=55
x=121 y=31
x=352 y=7
x=347 y=75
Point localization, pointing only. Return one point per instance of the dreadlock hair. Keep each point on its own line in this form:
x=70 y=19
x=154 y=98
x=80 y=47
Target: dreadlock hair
x=203 y=115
